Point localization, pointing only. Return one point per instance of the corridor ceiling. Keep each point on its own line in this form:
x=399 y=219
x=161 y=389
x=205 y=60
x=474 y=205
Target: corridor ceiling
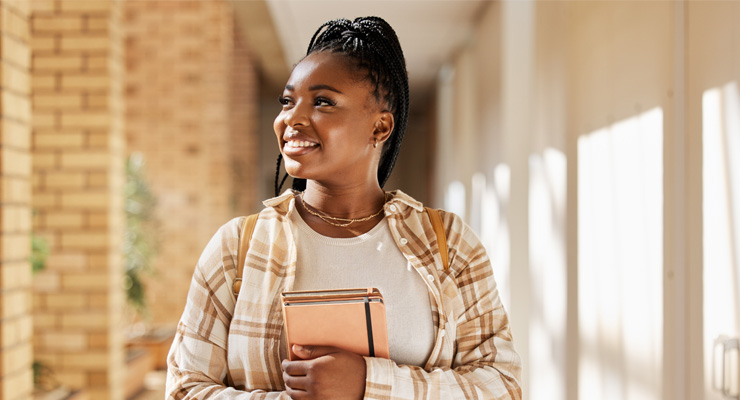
x=430 y=31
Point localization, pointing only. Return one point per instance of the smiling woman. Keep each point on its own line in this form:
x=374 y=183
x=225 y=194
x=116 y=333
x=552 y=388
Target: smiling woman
x=344 y=112
x=331 y=124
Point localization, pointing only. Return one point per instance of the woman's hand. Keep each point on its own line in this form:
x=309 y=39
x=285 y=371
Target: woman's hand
x=324 y=373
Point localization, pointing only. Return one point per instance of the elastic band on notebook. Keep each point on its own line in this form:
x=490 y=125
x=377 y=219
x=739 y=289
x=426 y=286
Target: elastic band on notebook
x=369 y=322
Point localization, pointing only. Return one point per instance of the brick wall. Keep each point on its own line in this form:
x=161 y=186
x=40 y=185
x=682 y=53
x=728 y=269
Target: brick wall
x=191 y=106
x=245 y=133
x=15 y=197
x=78 y=151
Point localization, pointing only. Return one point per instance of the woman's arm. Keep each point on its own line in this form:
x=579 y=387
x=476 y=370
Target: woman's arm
x=485 y=363
x=197 y=361
x=493 y=375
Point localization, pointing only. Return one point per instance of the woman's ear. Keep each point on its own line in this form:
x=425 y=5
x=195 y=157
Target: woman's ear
x=383 y=127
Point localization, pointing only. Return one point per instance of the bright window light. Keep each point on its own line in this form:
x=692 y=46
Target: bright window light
x=721 y=202
x=620 y=259
x=547 y=187
x=455 y=198
x=477 y=198
x=495 y=230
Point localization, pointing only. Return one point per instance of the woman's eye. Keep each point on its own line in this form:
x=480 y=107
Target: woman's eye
x=322 y=101
x=283 y=100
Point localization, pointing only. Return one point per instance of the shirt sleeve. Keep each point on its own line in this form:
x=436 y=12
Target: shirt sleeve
x=485 y=364
x=197 y=363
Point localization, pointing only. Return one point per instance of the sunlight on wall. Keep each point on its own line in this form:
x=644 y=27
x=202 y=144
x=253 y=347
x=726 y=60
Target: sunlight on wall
x=495 y=230
x=477 y=201
x=547 y=187
x=620 y=258
x=487 y=206
x=455 y=198
x=721 y=202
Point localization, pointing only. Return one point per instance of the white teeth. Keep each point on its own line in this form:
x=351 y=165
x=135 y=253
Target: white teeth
x=299 y=143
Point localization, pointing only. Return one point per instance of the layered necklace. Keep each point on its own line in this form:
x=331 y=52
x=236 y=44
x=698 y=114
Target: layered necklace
x=341 y=222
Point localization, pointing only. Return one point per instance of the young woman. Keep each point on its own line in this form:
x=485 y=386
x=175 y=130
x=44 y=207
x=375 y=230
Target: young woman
x=344 y=112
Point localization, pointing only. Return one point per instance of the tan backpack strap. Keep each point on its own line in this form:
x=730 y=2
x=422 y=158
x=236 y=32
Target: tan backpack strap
x=241 y=253
x=439 y=230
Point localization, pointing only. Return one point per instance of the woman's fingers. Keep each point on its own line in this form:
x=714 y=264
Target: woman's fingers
x=312 y=352
x=296 y=394
x=296 y=382
x=295 y=368
x=332 y=374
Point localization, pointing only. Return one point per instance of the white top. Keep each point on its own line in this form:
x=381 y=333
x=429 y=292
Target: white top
x=371 y=260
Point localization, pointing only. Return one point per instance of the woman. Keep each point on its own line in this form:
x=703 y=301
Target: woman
x=344 y=112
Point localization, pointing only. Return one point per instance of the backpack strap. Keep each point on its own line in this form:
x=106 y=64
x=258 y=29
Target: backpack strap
x=241 y=253
x=439 y=230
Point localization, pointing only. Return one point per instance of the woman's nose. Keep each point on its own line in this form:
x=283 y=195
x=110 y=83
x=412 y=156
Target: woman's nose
x=296 y=116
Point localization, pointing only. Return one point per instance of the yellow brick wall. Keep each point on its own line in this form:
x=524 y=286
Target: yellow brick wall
x=191 y=110
x=78 y=152
x=245 y=134
x=16 y=381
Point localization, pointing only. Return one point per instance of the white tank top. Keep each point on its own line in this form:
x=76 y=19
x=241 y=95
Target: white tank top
x=370 y=260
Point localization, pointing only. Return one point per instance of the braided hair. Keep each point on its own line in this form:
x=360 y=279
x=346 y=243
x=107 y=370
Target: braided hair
x=373 y=47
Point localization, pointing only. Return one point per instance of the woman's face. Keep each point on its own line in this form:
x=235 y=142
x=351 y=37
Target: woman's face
x=329 y=122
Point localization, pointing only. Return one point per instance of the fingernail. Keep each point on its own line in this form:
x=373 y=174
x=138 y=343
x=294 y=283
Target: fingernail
x=297 y=347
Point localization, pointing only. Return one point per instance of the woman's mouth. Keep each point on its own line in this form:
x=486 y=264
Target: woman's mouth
x=300 y=143
x=298 y=147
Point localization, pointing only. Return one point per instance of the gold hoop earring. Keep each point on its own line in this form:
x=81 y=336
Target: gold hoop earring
x=375 y=145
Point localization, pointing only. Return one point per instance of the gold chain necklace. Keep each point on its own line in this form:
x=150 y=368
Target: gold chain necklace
x=347 y=221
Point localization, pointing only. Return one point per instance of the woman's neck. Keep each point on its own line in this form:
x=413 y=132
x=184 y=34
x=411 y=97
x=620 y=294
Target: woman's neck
x=344 y=202
x=319 y=202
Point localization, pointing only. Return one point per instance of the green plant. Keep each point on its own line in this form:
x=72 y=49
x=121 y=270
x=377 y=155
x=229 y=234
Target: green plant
x=39 y=253
x=140 y=241
x=43 y=376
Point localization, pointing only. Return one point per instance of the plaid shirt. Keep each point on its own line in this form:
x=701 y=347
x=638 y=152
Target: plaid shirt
x=228 y=347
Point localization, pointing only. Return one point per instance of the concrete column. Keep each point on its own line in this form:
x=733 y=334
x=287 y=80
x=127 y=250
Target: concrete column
x=517 y=59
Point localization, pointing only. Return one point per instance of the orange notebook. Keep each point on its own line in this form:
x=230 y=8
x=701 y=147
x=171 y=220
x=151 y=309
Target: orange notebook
x=351 y=319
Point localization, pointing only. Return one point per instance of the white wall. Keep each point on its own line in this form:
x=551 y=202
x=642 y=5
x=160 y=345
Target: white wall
x=536 y=78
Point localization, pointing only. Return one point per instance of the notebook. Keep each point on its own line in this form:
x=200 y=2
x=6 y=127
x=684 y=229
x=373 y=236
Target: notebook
x=350 y=319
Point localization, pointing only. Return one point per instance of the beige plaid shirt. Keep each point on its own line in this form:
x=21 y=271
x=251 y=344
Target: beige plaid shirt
x=228 y=348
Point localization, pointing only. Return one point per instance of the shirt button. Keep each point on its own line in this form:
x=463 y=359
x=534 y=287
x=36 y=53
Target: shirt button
x=430 y=278
x=393 y=207
x=404 y=241
x=442 y=333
